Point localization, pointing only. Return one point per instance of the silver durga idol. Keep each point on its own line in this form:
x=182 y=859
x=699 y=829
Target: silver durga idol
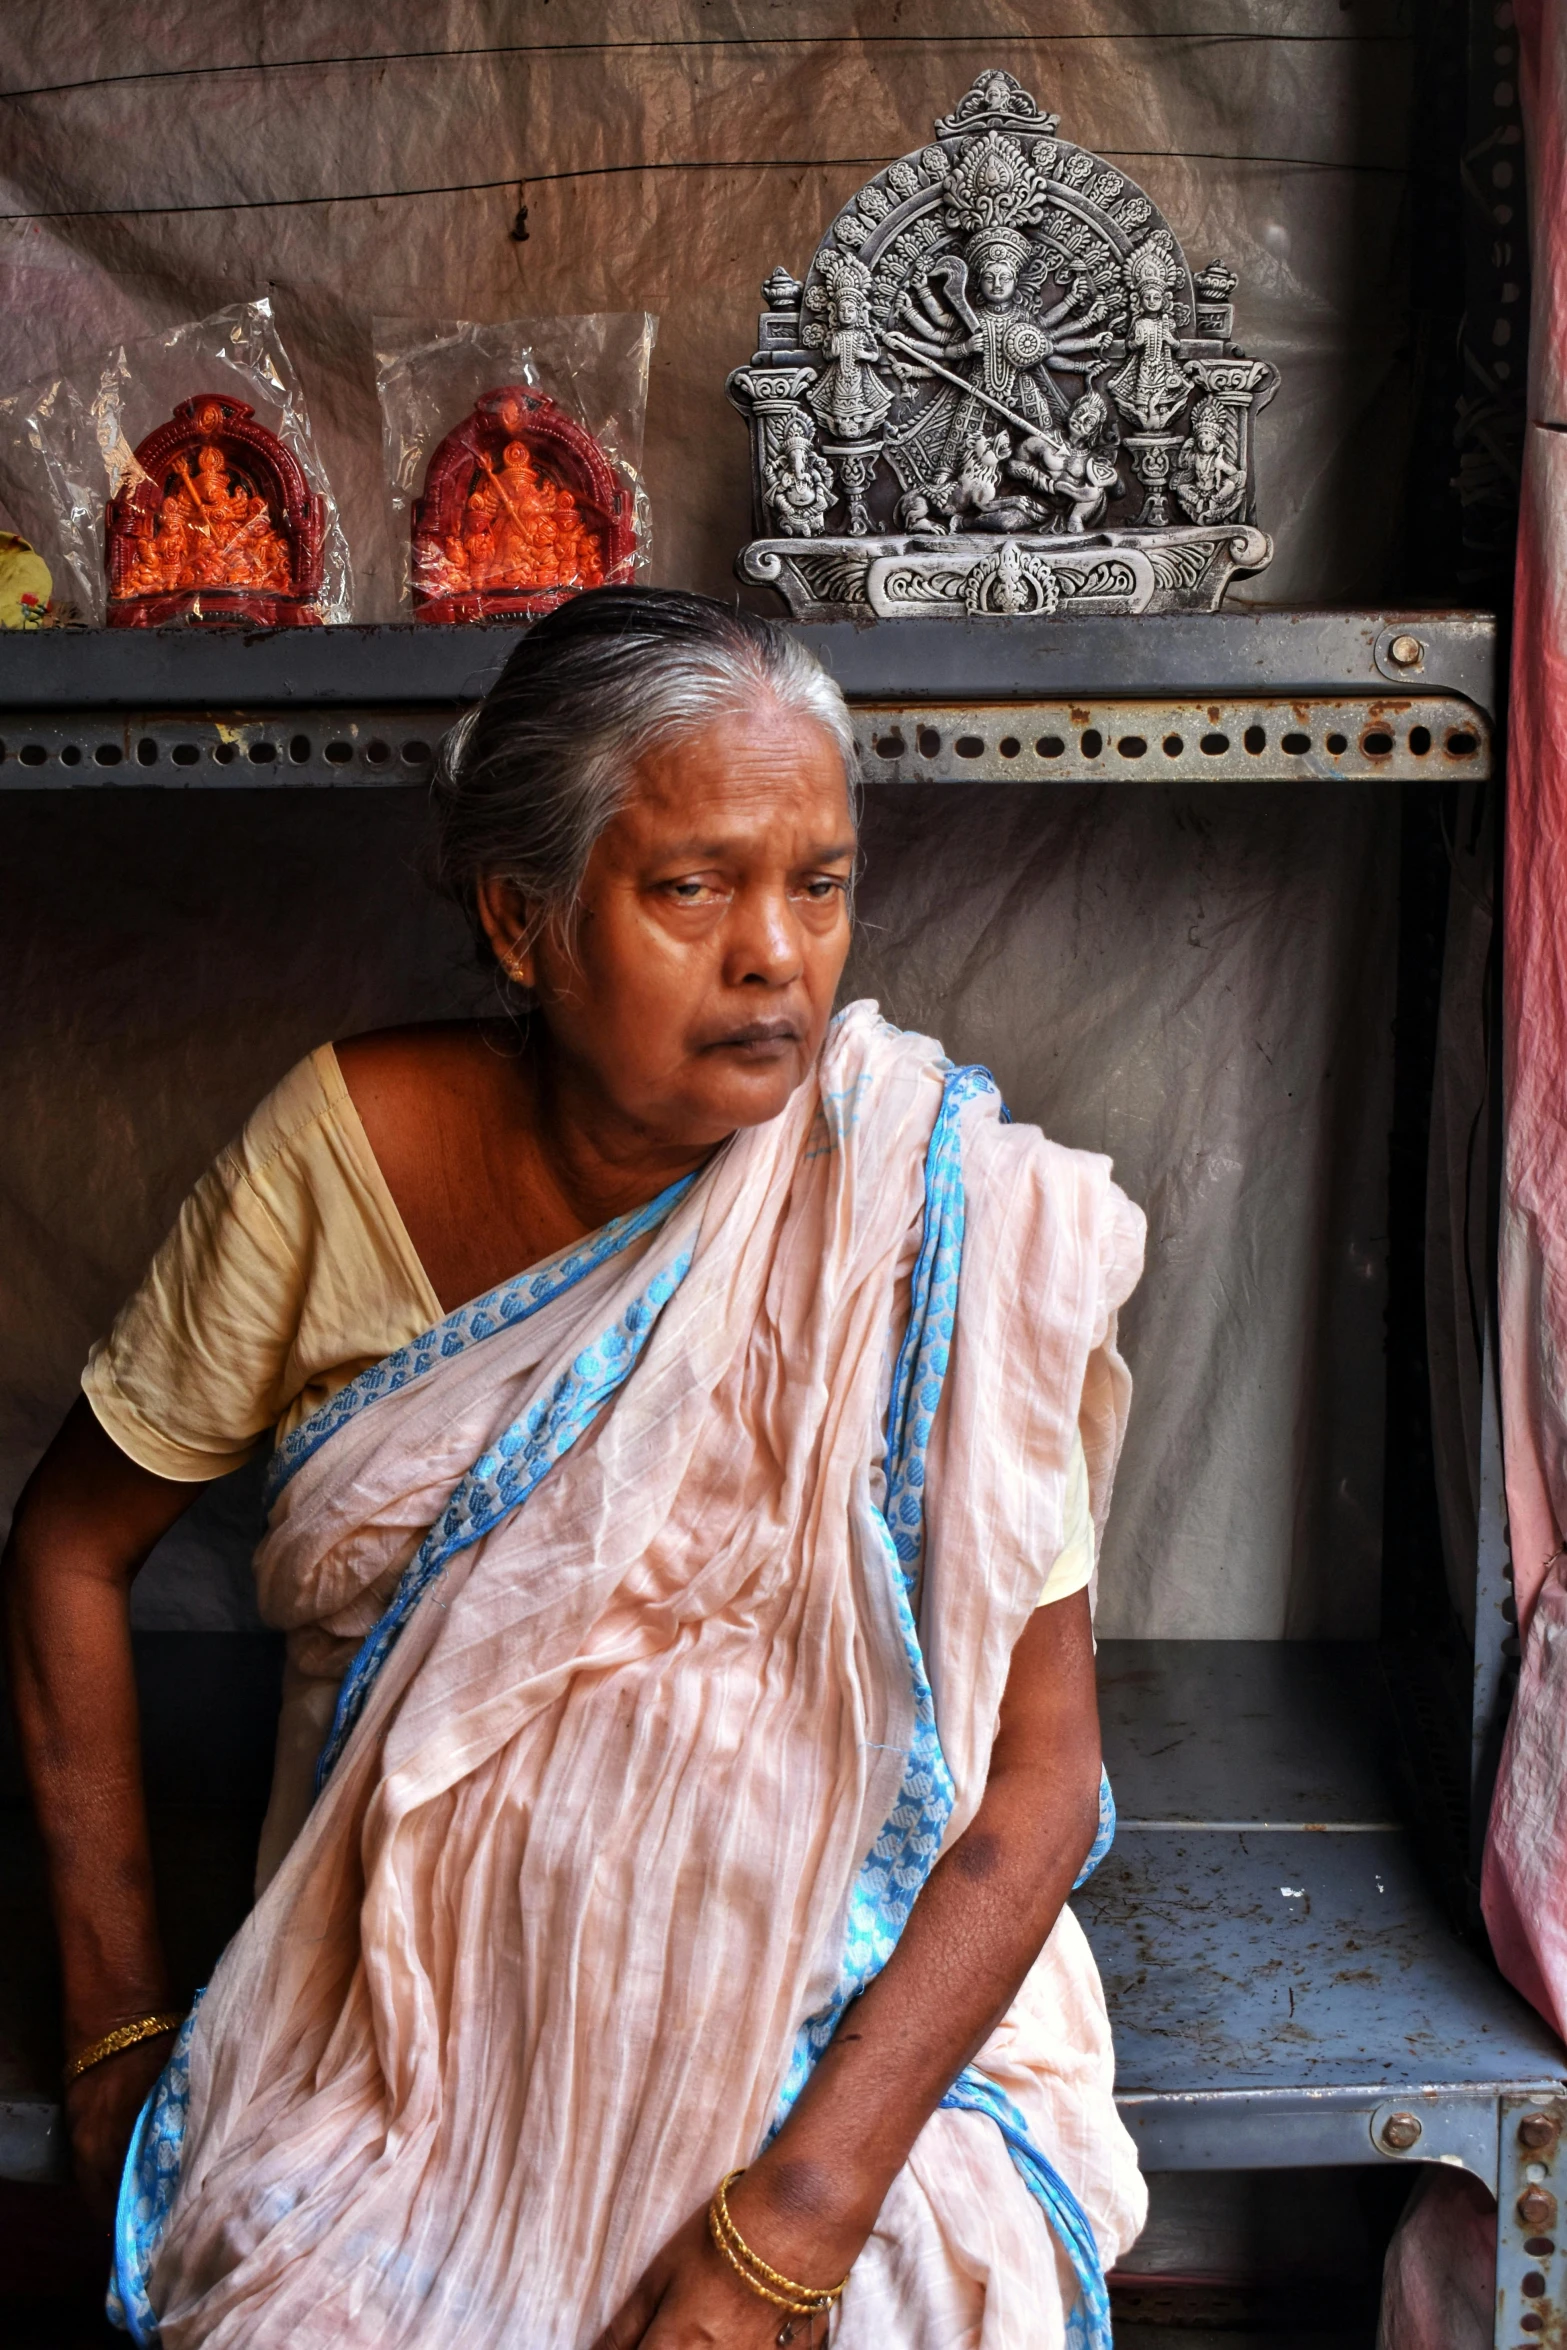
x=1000 y=390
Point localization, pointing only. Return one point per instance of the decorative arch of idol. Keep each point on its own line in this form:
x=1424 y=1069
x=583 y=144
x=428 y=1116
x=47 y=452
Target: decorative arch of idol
x=1000 y=391
x=215 y=521
x=520 y=510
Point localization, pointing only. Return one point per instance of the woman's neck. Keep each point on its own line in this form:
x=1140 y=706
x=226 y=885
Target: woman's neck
x=497 y=1155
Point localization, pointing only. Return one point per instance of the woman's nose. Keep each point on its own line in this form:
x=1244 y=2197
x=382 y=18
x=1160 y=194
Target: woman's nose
x=766 y=943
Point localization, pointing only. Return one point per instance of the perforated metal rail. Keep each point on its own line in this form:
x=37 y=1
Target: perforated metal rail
x=1426 y=737
x=1243 y=739
x=67 y=749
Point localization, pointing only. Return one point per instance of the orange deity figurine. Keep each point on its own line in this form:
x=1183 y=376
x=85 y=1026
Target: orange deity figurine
x=520 y=510
x=217 y=522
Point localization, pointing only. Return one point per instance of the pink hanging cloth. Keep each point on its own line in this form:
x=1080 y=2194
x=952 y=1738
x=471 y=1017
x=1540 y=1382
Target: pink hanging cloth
x=1525 y=1878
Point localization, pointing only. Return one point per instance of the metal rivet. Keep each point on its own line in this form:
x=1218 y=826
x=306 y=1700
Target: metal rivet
x=1536 y=2209
x=1400 y=2131
x=1539 y=2130
x=1407 y=651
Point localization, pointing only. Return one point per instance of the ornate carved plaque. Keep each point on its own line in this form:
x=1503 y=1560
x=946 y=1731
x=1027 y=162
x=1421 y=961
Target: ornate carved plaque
x=520 y=510
x=1000 y=390
x=217 y=523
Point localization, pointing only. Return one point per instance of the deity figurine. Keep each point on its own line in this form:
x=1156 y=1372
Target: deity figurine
x=975 y=321
x=215 y=531
x=519 y=510
x=1153 y=385
x=1001 y=356
x=848 y=396
x=218 y=524
x=1069 y=467
x=1208 y=482
x=969 y=493
x=523 y=531
x=798 y=483
x=149 y=570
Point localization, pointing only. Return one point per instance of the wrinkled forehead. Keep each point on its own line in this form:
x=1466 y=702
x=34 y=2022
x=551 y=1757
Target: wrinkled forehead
x=761 y=767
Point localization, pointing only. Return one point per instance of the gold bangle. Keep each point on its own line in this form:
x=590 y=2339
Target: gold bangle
x=123 y=2036
x=752 y=2270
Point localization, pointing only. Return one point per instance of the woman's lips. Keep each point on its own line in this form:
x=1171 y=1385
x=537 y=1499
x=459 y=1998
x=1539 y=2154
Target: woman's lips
x=759 y=1039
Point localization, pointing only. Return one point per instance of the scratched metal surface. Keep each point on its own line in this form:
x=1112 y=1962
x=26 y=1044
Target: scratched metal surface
x=1268 y=1960
x=1260 y=1956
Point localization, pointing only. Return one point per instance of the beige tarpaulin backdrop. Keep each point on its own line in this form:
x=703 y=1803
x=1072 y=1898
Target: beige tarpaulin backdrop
x=1199 y=983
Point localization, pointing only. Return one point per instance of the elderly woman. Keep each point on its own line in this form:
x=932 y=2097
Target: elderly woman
x=689 y=1415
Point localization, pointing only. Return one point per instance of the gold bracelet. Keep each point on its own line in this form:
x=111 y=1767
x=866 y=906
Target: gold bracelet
x=781 y=2291
x=123 y=2036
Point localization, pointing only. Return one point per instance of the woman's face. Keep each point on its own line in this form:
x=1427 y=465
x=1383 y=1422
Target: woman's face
x=711 y=934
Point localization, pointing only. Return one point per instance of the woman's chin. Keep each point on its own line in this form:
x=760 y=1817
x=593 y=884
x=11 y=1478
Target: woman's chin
x=745 y=1093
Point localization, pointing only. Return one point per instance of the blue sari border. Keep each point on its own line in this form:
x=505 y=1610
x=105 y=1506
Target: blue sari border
x=904 y=1853
x=500 y=1481
x=147 y=2188
x=516 y=1300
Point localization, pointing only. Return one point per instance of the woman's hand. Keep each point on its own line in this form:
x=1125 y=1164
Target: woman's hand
x=689 y=2298
x=100 y=2114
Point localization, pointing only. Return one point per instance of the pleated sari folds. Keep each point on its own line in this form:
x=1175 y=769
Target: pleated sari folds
x=681 y=1578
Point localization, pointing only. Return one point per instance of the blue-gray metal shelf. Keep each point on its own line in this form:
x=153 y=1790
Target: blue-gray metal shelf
x=1248 y=697
x=1286 y=1987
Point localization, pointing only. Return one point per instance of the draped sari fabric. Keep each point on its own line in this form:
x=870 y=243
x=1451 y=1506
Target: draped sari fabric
x=671 y=1683
x=1525 y=1877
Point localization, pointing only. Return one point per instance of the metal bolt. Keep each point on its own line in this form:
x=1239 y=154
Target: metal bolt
x=1407 y=651
x=1539 y=2131
x=1400 y=2131
x=1535 y=2208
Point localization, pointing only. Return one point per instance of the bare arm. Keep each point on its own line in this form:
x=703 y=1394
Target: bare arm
x=808 y=2204
x=86 y=1521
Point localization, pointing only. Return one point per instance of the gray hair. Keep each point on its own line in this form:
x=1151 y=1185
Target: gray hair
x=526 y=783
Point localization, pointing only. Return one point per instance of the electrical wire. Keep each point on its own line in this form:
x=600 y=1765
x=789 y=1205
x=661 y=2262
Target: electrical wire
x=610 y=170
x=171 y=73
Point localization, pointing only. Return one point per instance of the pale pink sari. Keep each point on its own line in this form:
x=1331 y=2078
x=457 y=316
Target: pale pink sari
x=529 y=1978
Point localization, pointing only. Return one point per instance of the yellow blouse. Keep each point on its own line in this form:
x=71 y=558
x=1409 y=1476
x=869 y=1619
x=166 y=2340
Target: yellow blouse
x=288 y=1272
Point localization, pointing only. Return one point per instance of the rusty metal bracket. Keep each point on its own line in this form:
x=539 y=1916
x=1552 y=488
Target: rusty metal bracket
x=1407 y=738
x=1531 y=2180
x=1439 y=2125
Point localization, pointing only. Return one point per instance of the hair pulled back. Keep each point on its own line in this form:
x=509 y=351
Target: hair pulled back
x=526 y=783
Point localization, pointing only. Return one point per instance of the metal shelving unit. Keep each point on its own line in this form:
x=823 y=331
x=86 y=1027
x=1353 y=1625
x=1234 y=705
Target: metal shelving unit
x=1286 y=1985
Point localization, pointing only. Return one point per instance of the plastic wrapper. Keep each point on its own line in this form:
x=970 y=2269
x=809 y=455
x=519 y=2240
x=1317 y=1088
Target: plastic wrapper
x=513 y=459
x=49 y=464
x=177 y=480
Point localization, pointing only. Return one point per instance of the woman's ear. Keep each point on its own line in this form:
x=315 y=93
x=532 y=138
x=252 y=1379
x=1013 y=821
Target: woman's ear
x=504 y=913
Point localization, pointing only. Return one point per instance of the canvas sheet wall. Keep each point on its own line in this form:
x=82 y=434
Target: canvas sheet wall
x=1199 y=983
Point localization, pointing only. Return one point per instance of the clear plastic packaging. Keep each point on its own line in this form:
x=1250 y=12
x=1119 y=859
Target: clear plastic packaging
x=183 y=480
x=513 y=456
x=48 y=466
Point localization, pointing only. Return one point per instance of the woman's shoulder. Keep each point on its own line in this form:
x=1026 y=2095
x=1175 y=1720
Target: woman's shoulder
x=322 y=1152
x=407 y=1066
x=412 y=1088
